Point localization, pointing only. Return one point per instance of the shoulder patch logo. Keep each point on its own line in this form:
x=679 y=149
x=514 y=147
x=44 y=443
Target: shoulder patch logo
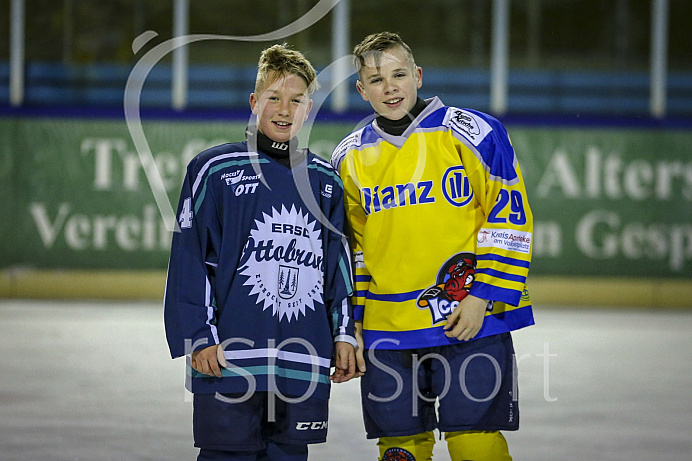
x=470 y=125
x=466 y=123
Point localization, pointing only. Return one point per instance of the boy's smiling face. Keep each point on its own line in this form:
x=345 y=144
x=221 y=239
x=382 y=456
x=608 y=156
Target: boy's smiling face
x=389 y=80
x=281 y=106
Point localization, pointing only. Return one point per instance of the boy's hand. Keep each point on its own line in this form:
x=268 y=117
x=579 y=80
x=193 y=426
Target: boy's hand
x=205 y=361
x=345 y=362
x=360 y=359
x=466 y=320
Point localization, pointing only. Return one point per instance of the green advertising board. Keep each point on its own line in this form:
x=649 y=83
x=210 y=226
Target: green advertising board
x=606 y=202
x=611 y=202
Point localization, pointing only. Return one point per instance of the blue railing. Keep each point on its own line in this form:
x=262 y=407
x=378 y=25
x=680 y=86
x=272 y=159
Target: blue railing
x=228 y=87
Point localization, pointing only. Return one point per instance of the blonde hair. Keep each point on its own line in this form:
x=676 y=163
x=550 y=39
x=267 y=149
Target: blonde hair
x=375 y=44
x=284 y=61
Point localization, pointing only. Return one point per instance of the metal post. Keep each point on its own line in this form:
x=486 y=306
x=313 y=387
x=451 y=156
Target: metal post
x=68 y=32
x=659 y=57
x=180 y=55
x=533 y=41
x=500 y=57
x=341 y=24
x=17 y=53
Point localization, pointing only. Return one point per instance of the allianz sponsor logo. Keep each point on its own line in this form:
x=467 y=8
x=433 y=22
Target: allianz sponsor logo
x=506 y=239
x=380 y=198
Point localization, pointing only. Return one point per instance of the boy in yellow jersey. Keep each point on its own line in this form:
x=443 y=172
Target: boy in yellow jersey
x=441 y=230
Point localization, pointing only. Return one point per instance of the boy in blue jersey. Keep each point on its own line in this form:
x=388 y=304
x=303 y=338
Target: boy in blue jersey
x=441 y=232
x=257 y=293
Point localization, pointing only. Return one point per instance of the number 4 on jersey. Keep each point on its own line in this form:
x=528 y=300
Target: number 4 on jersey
x=185 y=218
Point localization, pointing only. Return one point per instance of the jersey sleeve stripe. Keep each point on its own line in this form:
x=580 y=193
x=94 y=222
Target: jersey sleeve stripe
x=394 y=297
x=209 y=171
x=329 y=173
x=508 y=178
x=496 y=293
x=323 y=162
x=264 y=370
x=346 y=274
x=277 y=354
x=502 y=275
x=201 y=174
x=345 y=318
x=503 y=259
x=209 y=302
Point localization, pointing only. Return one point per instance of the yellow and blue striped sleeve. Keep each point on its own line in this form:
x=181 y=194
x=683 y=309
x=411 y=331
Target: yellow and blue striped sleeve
x=355 y=219
x=504 y=241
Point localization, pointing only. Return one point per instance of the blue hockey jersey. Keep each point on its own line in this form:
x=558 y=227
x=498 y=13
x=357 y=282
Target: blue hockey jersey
x=260 y=267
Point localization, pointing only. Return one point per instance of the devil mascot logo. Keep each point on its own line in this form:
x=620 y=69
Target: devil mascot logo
x=454 y=281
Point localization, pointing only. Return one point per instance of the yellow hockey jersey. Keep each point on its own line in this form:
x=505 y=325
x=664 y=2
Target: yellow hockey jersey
x=434 y=214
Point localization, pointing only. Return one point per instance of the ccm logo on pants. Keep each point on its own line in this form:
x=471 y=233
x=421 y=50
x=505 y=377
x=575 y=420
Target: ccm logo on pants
x=312 y=426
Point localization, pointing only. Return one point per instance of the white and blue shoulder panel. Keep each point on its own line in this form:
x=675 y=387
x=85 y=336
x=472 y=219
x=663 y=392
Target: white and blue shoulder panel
x=487 y=138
